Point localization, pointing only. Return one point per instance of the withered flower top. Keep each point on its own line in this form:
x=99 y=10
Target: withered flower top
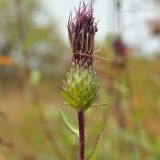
x=81 y=30
x=119 y=47
x=120 y=50
x=154 y=26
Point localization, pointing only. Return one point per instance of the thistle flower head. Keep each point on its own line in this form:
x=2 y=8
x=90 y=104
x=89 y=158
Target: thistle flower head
x=81 y=88
x=81 y=31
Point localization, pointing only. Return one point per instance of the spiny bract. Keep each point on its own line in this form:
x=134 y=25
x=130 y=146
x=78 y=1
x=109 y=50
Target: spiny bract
x=81 y=88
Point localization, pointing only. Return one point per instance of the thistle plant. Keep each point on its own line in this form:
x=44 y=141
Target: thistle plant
x=81 y=88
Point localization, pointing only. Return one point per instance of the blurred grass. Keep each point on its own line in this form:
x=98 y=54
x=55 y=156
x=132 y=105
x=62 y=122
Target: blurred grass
x=20 y=123
x=30 y=127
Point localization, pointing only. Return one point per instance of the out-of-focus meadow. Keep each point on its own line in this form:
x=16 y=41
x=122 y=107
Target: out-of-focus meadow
x=34 y=59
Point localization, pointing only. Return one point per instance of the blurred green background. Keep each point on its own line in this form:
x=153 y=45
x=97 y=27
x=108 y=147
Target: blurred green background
x=34 y=58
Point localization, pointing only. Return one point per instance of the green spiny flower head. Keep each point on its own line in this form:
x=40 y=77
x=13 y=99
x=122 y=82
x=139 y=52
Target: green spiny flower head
x=81 y=88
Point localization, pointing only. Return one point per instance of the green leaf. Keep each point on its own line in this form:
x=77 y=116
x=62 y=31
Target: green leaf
x=68 y=122
x=96 y=147
x=69 y=99
x=35 y=77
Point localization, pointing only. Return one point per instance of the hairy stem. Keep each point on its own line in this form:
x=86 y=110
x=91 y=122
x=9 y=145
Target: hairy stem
x=81 y=134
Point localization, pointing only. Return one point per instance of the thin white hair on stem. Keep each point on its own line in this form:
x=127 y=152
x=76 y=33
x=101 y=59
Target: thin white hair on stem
x=106 y=59
x=100 y=57
x=103 y=104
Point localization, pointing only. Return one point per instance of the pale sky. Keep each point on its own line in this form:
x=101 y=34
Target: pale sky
x=134 y=13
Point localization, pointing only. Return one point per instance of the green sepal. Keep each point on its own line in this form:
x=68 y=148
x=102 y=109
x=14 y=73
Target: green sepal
x=69 y=99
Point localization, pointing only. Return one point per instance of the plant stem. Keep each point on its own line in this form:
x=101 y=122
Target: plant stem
x=21 y=32
x=81 y=134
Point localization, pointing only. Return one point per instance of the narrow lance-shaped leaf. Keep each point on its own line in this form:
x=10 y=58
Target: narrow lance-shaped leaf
x=96 y=147
x=68 y=122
